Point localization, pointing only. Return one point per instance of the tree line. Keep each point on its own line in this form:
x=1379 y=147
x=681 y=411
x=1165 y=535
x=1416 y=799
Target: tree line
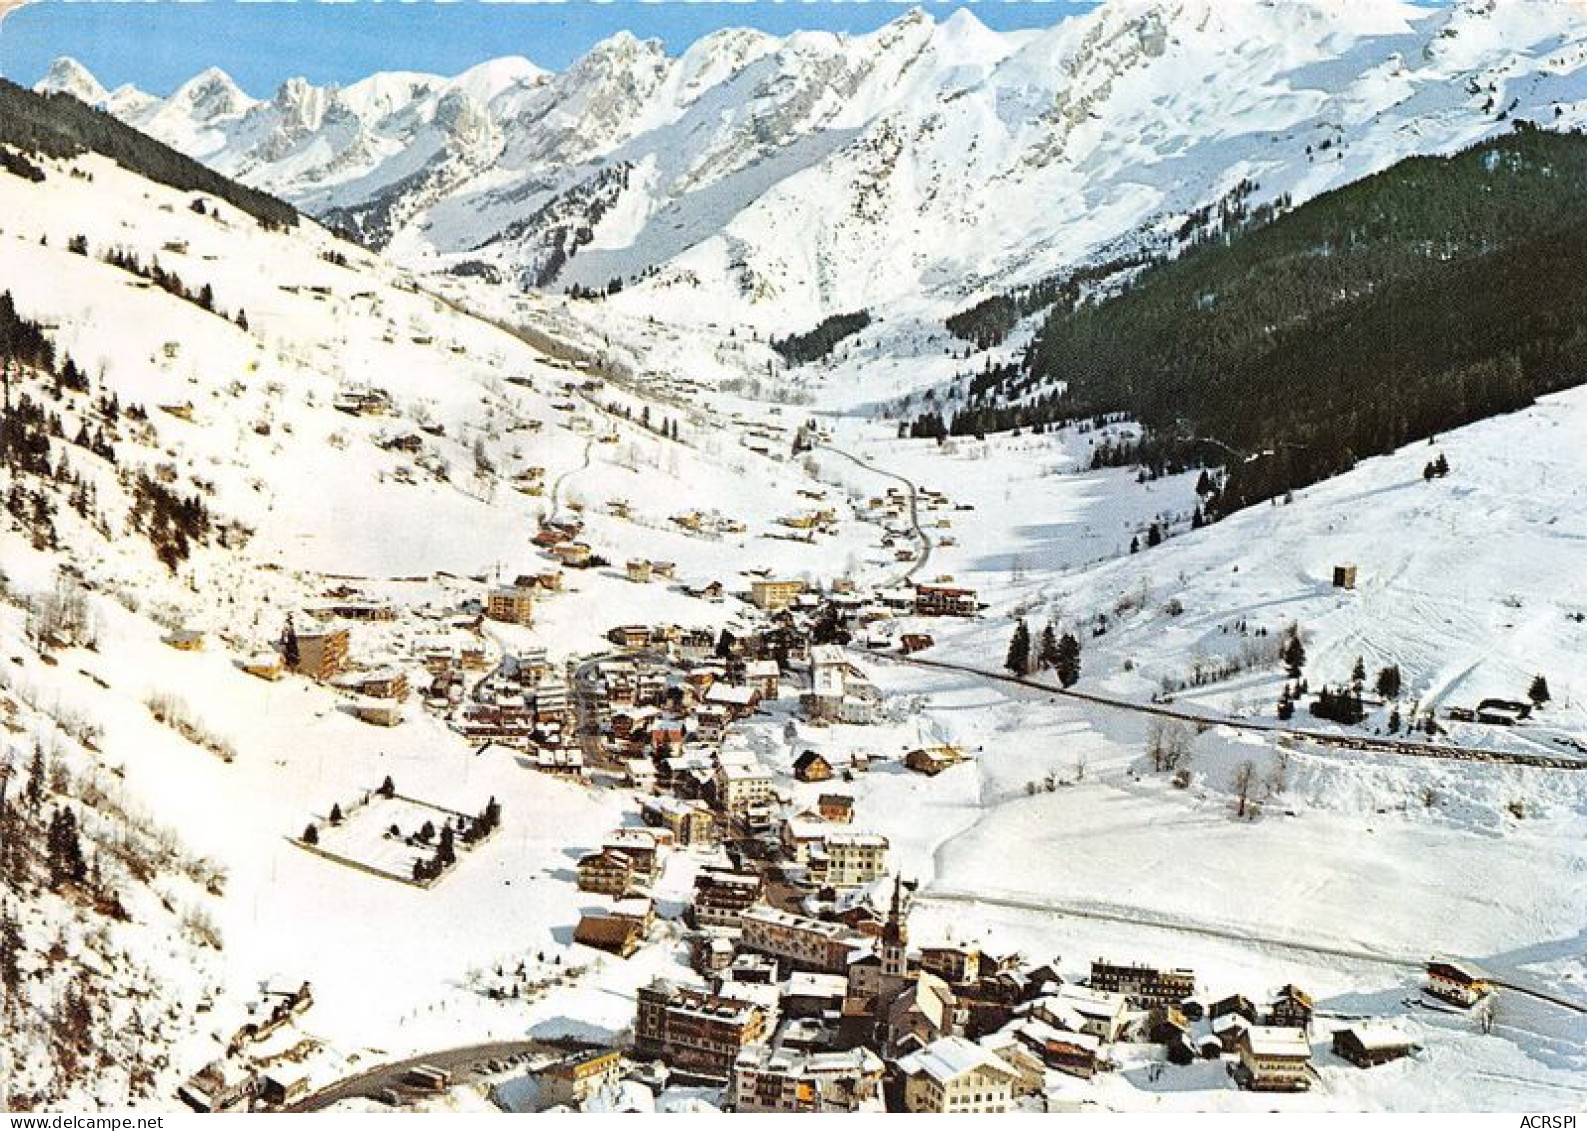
x=1438 y=292
x=59 y=126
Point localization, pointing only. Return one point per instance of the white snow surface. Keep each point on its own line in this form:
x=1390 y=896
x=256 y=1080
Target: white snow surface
x=995 y=158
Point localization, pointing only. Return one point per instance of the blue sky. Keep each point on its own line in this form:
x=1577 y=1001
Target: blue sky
x=158 y=44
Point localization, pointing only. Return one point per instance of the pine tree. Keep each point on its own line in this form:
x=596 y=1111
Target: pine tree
x=388 y=788
x=1047 y=654
x=1293 y=652
x=446 y=851
x=38 y=774
x=1067 y=661
x=1358 y=674
x=336 y=814
x=289 y=645
x=1389 y=682
x=11 y=944
x=311 y=835
x=65 y=849
x=1018 y=660
x=1538 y=692
x=1286 y=704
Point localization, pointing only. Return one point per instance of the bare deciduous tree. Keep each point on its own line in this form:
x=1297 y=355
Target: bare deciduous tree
x=1169 y=744
x=1278 y=775
x=1244 y=785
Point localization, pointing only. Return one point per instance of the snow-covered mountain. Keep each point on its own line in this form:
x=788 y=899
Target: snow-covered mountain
x=782 y=179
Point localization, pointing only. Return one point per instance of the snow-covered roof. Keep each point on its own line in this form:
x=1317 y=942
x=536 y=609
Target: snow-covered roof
x=1380 y=1033
x=856 y=840
x=667 y=803
x=797 y=1062
x=803 y=984
x=730 y=694
x=949 y=1058
x=1460 y=967
x=776 y=917
x=1034 y=1029
x=1091 y=1003
x=624 y=1096
x=640 y=837
x=741 y=771
x=822 y=654
x=1277 y=1041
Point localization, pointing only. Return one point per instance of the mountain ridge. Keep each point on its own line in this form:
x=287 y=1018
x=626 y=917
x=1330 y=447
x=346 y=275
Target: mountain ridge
x=787 y=179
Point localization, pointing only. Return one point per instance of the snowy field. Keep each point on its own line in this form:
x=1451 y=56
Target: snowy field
x=1355 y=866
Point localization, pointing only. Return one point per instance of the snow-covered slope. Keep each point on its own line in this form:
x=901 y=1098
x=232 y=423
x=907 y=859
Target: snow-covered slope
x=232 y=403
x=783 y=179
x=1364 y=860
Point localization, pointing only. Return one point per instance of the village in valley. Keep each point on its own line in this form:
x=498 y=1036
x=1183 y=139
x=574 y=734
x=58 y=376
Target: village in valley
x=716 y=652
x=695 y=752
x=798 y=985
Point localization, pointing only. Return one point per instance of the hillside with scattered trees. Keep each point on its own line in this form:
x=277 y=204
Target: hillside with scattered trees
x=1436 y=293
x=58 y=125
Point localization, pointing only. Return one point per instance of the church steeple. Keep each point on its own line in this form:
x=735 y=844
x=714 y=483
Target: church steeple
x=895 y=934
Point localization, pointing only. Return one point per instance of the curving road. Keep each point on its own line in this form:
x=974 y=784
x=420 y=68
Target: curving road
x=914 y=510
x=561 y=480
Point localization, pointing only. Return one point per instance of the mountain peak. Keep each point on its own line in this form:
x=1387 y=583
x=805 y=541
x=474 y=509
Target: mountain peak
x=963 y=21
x=963 y=37
x=620 y=53
x=484 y=81
x=211 y=94
x=626 y=43
x=67 y=76
x=916 y=20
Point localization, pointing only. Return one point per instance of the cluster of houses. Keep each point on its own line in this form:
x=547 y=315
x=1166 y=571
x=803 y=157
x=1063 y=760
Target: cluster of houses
x=796 y=1014
x=793 y=1013
x=321 y=649
x=808 y=997
x=524 y=703
x=258 y=1070
x=661 y=713
x=937 y=598
x=806 y=994
x=560 y=540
